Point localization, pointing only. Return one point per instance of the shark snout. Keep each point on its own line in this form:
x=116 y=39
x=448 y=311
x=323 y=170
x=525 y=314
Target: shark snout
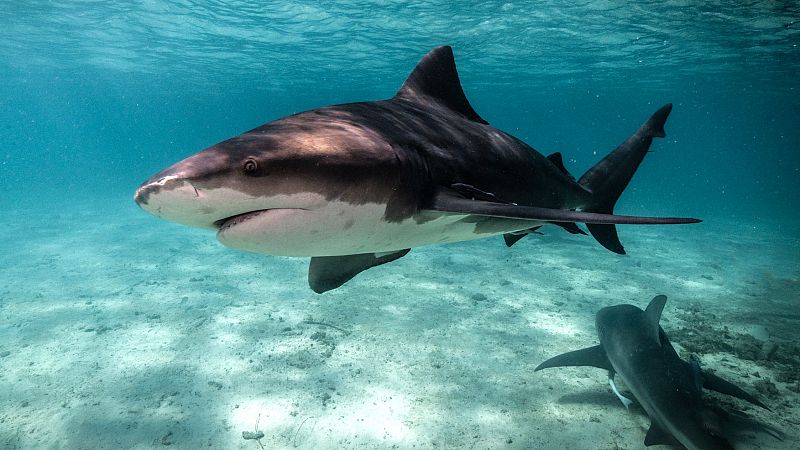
x=174 y=198
x=158 y=184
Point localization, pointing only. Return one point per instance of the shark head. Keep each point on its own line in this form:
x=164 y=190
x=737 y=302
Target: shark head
x=267 y=183
x=616 y=319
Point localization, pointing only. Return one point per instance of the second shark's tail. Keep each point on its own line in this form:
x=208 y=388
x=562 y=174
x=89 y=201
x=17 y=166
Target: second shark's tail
x=608 y=178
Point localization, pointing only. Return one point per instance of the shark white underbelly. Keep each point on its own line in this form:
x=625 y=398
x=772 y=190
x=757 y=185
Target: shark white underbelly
x=340 y=228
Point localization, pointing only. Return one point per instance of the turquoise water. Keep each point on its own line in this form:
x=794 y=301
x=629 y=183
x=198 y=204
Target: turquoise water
x=97 y=96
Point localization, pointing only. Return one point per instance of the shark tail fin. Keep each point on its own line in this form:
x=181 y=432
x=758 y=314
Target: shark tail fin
x=608 y=178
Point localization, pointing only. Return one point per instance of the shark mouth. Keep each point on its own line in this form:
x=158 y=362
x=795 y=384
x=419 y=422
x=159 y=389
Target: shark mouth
x=238 y=219
x=232 y=221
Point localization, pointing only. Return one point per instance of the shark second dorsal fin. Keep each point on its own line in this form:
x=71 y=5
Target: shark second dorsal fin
x=435 y=78
x=652 y=315
x=558 y=161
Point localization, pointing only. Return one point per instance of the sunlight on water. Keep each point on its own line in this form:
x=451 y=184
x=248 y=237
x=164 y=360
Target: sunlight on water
x=183 y=39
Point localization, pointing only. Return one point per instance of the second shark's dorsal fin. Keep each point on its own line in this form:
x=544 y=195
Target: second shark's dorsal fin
x=652 y=315
x=436 y=78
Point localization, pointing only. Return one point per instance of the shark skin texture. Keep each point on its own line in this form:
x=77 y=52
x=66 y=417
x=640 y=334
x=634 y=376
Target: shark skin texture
x=634 y=347
x=358 y=185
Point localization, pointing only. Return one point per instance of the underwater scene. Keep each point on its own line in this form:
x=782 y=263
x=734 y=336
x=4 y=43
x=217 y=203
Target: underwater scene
x=399 y=225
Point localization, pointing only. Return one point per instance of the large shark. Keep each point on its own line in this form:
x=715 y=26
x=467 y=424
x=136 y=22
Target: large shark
x=634 y=346
x=358 y=185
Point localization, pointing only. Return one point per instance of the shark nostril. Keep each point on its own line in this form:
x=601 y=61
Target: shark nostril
x=142 y=195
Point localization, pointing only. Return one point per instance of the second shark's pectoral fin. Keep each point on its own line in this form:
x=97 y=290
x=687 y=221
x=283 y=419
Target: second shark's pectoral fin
x=330 y=272
x=652 y=316
x=715 y=383
x=448 y=200
x=592 y=356
x=659 y=436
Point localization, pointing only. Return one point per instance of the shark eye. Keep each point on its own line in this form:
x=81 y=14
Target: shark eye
x=250 y=166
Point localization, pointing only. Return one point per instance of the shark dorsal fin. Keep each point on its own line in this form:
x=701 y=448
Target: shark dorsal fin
x=652 y=315
x=436 y=78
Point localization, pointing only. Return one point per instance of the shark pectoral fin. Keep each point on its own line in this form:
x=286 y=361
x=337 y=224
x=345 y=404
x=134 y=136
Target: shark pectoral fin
x=652 y=315
x=330 y=272
x=625 y=400
x=659 y=436
x=592 y=356
x=448 y=200
x=715 y=383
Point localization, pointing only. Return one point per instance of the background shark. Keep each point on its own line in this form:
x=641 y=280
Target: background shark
x=634 y=346
x=358 y=185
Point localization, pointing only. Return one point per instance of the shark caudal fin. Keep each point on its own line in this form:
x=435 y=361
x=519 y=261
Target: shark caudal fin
x=609 y=177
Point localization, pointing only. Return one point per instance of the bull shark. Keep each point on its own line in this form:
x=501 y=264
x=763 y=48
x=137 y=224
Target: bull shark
x=634 y=346
x=358 y=185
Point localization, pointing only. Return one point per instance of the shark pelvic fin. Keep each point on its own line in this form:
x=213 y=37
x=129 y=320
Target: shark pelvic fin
x=658 y=436
x=715 y=383
x=436 y=78
x=330 y=272
x=592 y=356
x=652 y=316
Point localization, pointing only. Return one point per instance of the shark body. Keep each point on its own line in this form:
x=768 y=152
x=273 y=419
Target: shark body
x=634 y=347
x=360 y=184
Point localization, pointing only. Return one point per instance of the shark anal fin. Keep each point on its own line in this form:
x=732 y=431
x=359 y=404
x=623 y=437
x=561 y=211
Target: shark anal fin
x=512 y=238
x=592 y=357
x=447 y=200
x=625 y=400
x=715 y=383
x=652 y=316
x=330 y=272
x=658 y=436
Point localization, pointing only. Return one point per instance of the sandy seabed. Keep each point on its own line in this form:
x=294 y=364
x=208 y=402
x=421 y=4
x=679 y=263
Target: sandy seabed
x=118 y=330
